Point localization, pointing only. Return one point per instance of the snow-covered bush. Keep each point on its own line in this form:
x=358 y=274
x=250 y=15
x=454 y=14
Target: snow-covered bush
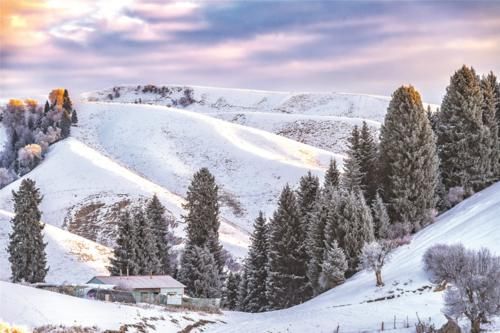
x=456 y=194
x=374 y=256
x=444 y=262
x=6 y=177
x=28 y=157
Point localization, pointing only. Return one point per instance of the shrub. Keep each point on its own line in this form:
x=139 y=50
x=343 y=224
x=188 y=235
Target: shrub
x=444 y=262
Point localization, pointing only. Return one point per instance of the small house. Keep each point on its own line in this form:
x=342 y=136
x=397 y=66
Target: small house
x=155 y=289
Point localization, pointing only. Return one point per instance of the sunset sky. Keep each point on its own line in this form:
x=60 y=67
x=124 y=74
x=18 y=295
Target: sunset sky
x=350 y=46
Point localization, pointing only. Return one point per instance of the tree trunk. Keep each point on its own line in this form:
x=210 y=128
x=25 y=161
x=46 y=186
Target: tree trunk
x=378 y=275
x=475 y=325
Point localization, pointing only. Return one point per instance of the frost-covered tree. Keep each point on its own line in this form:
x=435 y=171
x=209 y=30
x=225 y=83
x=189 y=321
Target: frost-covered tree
x=155 y=213
x=381 y=221
x=408 y=160
x=28 y=157
x=202 y=218
x=306 y=198
x=6 y=177
x=332 y=175
x=374 y=256
x=148 y=260
x=460 y=132
x=491 y=142
x=287 y=282
x=475 y=292
x=351 y=225
x=230 y=294
x=352 y=177
x=243 y=291
x=124 y=260
x=333 y=267
x=199 y=272
x=367 y=152
x=256 y=267
x=26 y=248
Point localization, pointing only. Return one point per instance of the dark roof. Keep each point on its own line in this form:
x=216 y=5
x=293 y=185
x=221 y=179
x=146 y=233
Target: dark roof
x=141 y=281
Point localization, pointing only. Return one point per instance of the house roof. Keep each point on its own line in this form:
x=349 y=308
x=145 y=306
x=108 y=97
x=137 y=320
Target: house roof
x=141 y=281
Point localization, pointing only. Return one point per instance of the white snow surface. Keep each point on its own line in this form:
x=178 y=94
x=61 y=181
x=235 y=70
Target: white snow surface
x=474 y=222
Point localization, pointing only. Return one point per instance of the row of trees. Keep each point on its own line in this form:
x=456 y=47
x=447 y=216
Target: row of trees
x=30 y=130
x=142 y=245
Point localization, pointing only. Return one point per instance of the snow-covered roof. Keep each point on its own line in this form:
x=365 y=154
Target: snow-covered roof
x=140 y=281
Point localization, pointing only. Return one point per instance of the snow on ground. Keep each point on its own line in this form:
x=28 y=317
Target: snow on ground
x=167 y=146
x=71 y=258
x=354 y=304
x=32 y=308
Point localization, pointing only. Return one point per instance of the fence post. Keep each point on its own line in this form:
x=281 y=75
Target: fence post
x=382 y=327
x=394 y=321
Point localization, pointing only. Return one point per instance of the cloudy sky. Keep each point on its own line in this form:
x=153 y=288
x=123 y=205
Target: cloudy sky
x=352 y=46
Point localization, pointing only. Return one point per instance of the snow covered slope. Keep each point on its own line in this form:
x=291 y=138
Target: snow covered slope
x=71 y=258
x=32 y=308
x=166 y=146
x=358 y=305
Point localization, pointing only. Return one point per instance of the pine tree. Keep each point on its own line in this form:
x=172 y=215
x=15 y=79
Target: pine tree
x=26 y=247
x=332 y=176
x=256 y=267
x=199 y=272
x=230 y=295
x=202 y=217
x=460 y=131
x=74 y=117
x=287 y=282
x=65 y=124
x=381 y=221
x=124 y=261
x=155 y=213
x=350 y=225
x=306 y=198
x=333 y=267
x=242 y=303
x=352 y=177
x=491 y=142
x=67 y=104
x=368 y=163
x=147 y=252
x=46 y=109
x=408 y=160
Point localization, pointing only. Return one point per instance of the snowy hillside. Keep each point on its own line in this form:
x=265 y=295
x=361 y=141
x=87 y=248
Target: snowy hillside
x=71 y=258
x=32 y=308
x=167 y=145
x=358 y=305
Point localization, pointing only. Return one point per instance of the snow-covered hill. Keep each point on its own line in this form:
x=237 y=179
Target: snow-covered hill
x=358 y=305
x=31 y=308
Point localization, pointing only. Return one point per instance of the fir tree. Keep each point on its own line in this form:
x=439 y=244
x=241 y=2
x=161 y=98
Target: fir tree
x=199 y=273
x=46 y=109
x=243 y=290
x=408 y=160
x=147 y=252
x=368 y=162
x=256 y=267
x=460 y=132
x=202 y=217
x=230 y=297
x=287 y=282
x=332 y=175
x=74 y=117
x=26 y=247
x=65 y=124
x=381 y=221
x=352 y=177
x=491 y=143
x=67 y=104
x=124 y=261
x=333 y=267
x=155 y=213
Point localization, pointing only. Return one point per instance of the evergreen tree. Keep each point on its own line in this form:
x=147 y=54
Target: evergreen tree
x=202 y=217
x=230 y=296
x=46 y=109
x=243 y=290
x=146 y=252
x=65 y=124
x=155 y=213
x=352 y=177
x=124 y=261
x=67 y=104
x=74 y=117
x=368 y=162
x=408 y=160
x=26 y=247
x=460 y=132
x=287 y=282
x=491 y=143
x=333 y=267
x=350 y=225
x=381 y=221
x=256 y=267
x=199 y=272
x=332 y=175
x=306 y=198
